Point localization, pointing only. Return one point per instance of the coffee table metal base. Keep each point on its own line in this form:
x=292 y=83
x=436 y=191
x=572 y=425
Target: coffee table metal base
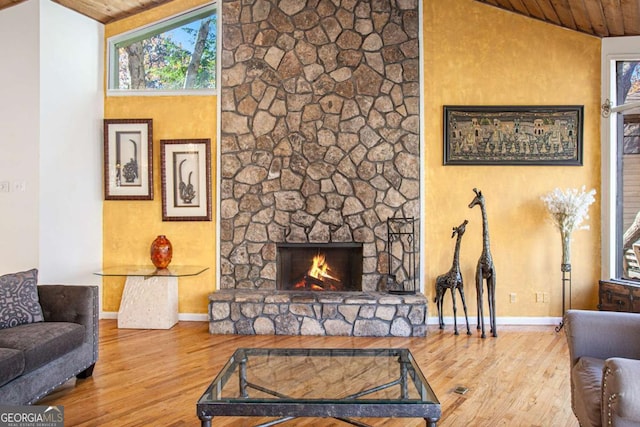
x=411 y=396
x=205 y=421
x=318 y=410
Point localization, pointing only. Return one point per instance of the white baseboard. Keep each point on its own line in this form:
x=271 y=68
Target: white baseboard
x=528 y=321
x=185 y=317
x=448 y=320
x=193 y=317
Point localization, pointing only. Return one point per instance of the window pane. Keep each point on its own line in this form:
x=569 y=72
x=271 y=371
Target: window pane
x=631 y=134
x=177 y=54
x=628 y=91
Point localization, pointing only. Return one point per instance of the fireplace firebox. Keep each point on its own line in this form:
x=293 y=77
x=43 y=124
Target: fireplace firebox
x=319 y=267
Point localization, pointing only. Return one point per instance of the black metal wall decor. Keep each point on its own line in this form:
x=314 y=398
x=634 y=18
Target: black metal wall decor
x=401 y=251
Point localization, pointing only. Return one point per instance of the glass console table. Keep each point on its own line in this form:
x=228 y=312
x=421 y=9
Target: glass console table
x=150 y=296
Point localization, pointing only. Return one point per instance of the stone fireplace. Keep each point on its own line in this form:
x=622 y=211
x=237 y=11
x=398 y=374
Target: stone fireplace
x=319 y=145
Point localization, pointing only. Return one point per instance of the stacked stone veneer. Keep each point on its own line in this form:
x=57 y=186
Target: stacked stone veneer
x=319 y=130
x=317 y=313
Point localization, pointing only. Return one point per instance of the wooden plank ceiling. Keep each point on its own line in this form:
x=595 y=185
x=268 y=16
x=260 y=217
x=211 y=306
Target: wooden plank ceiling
x=601 y=18
x=104 y=11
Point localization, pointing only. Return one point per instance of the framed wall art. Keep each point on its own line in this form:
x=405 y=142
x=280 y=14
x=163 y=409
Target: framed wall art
x=128 y=154
x=186 y=179
x=513 y=135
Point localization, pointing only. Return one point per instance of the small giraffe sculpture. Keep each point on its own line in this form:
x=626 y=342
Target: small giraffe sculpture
x=485 y=270
x=452 y=280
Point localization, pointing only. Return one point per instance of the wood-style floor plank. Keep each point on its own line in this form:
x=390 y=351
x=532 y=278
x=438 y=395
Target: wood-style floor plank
x=155 y=377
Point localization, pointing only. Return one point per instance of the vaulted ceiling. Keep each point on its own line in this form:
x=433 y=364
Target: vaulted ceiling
x=104 y=11
x=600 y=18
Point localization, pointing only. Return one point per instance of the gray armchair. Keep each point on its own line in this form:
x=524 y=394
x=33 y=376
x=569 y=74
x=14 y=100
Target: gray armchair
x=604 y=350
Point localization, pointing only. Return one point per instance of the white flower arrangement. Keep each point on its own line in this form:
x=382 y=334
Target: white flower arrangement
x=568 y=209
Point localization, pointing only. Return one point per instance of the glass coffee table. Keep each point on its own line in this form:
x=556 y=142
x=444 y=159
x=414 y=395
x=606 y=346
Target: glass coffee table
x=326 y=383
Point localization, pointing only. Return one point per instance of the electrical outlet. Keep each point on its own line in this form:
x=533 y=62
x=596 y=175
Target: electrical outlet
x=545 y=297
x=4 y=186
x=19 y=185
x=512 y=295
x=539 y=297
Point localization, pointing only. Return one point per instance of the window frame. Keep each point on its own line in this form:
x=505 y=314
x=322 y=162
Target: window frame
x=145 y=31
x=613 y=51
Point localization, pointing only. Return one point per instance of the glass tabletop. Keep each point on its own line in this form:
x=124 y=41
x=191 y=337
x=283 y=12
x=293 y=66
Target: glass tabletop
x=377 y=376
x=151 y=271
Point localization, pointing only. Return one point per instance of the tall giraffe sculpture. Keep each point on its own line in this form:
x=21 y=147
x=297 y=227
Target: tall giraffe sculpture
x=452 y=280
x=485 y=270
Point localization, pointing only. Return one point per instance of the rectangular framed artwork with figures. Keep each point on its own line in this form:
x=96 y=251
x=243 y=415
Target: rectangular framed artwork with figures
x=513 y=135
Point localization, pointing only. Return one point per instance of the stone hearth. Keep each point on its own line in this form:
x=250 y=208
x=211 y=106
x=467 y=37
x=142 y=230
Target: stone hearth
x=317 y=313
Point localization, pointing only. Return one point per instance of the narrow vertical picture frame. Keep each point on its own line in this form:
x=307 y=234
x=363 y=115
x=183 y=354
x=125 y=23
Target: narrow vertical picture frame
x=128 y=159
x=185 y=165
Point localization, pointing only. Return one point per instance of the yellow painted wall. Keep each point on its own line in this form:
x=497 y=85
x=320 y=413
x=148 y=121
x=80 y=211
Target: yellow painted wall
x=473 y=55
x=480 y=55
x=130 y=227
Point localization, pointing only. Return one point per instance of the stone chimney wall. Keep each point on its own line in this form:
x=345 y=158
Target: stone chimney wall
x=320 y=130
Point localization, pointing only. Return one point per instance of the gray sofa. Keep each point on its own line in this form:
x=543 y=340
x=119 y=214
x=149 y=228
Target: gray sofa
x=37 y=357
x=604 y=350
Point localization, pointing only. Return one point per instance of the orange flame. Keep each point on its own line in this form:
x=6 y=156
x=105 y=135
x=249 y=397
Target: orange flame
x=319 y=271
x=319 y=268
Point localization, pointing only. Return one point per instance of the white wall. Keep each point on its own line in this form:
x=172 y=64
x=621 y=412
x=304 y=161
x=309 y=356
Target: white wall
x=71 y=107
x=51 y=107
x=19 y=136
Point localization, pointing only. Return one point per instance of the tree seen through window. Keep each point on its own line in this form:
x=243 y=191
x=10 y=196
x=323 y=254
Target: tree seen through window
x=169 y=57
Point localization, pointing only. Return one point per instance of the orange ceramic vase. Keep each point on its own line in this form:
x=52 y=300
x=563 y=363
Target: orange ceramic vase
x=161 y=252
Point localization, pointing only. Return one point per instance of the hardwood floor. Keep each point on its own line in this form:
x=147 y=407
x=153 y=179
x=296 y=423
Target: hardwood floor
x=155 y=377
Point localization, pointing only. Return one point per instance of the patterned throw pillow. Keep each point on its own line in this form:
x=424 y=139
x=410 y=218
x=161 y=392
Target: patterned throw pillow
x=19 y=299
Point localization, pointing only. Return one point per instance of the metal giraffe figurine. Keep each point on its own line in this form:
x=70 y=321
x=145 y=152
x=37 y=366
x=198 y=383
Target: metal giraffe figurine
x=452 y=280
x=485 y=270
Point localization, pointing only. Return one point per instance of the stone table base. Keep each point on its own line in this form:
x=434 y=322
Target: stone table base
x=149 y=303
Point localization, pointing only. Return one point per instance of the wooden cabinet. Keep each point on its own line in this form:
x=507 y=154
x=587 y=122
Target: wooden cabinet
x=619 y=295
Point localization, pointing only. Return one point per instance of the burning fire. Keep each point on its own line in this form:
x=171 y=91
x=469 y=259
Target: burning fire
x=319 y=269
x=318 y=277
